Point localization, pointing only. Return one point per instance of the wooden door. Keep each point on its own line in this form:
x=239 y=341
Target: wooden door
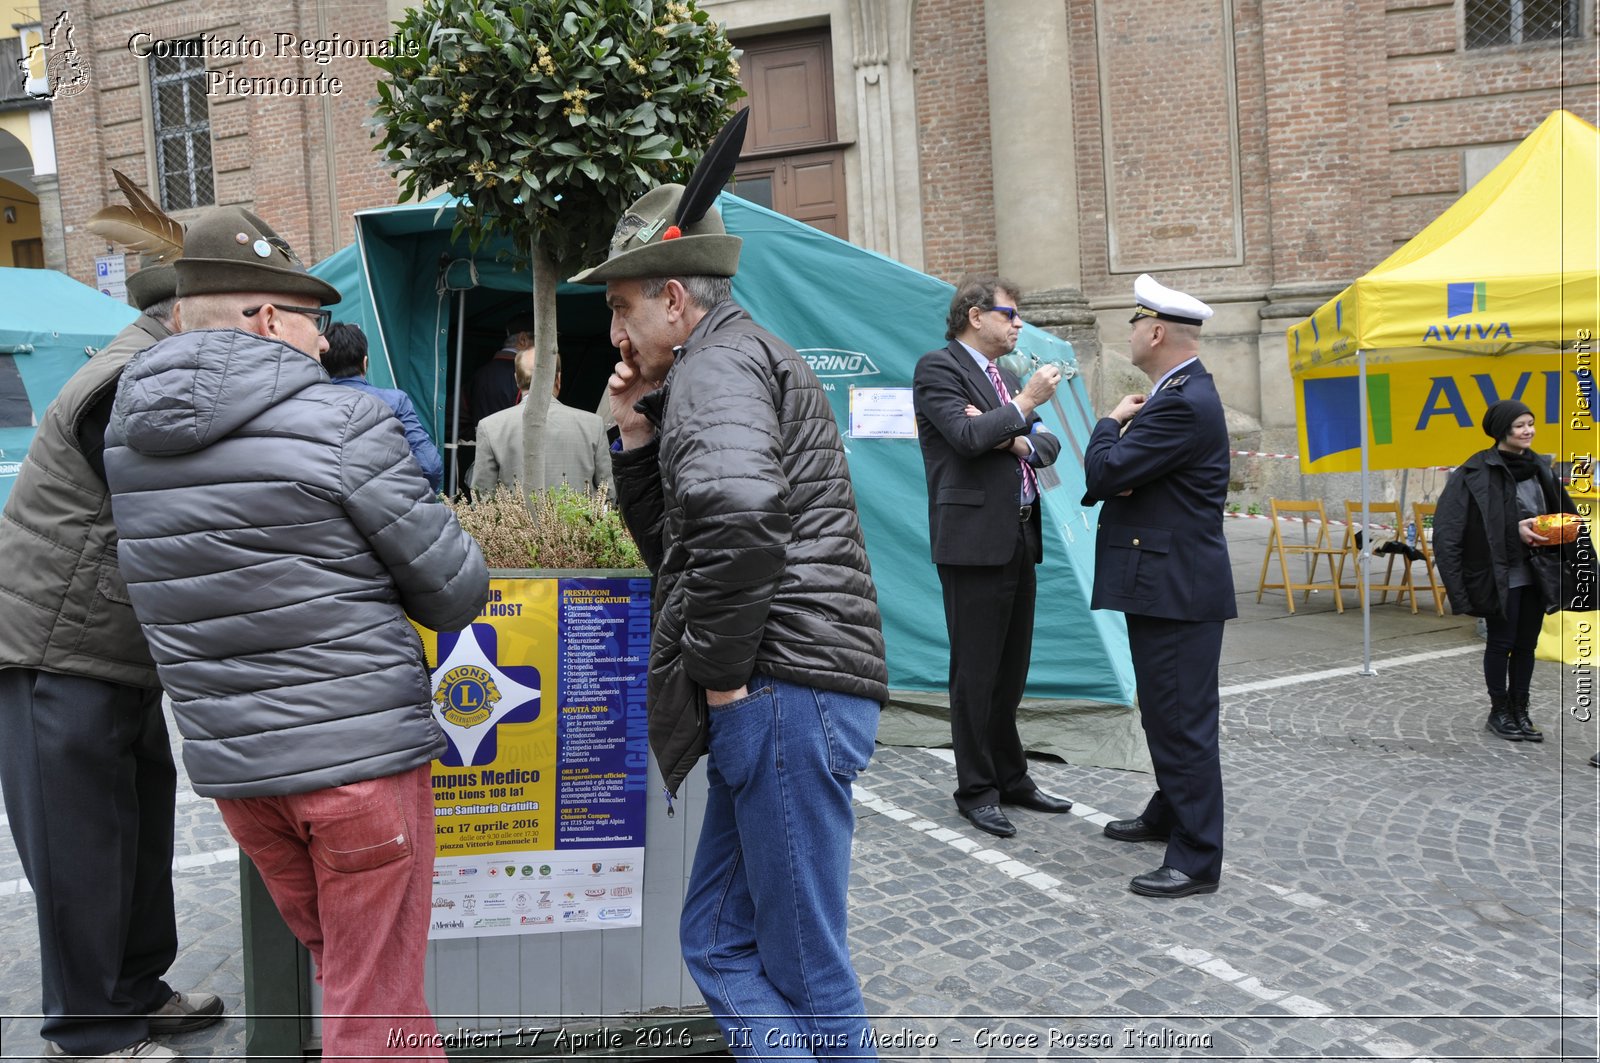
x=793 y=162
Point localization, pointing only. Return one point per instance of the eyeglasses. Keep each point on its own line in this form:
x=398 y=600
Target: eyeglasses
x=323 y=317
x=1011 y=312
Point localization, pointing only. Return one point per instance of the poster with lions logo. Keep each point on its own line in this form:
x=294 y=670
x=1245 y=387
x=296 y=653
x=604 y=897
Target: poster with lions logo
x=539 y=798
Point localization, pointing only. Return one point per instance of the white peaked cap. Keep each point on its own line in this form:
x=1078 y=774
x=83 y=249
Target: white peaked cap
x=1154 y=299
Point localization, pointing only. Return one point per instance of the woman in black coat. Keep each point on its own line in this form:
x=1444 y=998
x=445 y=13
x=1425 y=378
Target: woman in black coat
x=1494 y=564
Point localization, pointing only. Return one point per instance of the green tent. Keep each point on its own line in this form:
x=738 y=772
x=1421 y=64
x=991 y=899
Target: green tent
x=49 y=325
x=433 y=312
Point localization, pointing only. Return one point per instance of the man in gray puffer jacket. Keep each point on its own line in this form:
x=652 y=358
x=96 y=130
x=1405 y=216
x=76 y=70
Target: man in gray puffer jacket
x=767 y=652
x=275 y=535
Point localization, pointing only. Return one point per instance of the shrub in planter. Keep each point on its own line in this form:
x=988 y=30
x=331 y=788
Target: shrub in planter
x=559 y=528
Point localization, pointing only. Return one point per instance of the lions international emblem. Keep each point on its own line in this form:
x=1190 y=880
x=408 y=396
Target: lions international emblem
x=466 y=695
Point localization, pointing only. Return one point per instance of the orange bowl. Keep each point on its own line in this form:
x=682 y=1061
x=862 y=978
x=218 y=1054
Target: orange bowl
x=1558 y=527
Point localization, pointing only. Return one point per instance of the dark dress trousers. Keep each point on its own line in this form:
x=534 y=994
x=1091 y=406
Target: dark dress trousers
x=1162 y=559
x=985 y=554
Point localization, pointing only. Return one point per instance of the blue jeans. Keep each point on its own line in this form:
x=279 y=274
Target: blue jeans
x=763 y=928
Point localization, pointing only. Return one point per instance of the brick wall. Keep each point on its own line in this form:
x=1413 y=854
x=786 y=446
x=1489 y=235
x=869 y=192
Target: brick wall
x=949 y=56
x=1442 y=100
x=269 y=152
x=1151 y=100
x=1352 y=122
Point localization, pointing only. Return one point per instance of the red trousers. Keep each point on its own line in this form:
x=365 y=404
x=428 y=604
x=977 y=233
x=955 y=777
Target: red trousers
x=351 y=870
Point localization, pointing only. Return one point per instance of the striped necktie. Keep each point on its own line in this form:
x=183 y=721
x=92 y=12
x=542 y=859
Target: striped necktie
x=1030 y=483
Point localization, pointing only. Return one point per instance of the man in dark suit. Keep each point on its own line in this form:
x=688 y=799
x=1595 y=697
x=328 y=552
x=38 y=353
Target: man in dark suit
x=981 y=444
x=1159 y=462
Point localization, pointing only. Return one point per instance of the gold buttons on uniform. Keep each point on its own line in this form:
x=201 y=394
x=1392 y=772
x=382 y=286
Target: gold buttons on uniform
x=1136 y=542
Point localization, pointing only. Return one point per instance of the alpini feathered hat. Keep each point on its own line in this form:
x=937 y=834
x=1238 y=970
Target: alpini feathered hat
x=673 y=230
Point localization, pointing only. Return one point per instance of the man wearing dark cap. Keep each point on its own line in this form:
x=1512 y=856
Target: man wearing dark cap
x=86 y=764
x=981 y=445
x=1159 y=463
x=275 y=534
x=767 y=650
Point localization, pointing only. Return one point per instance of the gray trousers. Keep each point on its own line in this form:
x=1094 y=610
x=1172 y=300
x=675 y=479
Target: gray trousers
x=89 y=785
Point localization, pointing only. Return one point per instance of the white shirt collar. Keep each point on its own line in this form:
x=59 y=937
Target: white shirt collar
x=978 y=356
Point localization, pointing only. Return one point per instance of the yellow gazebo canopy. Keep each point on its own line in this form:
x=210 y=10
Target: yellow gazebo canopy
x=1509 y=270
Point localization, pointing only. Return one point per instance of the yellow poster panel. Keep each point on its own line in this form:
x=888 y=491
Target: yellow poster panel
x=539 y=799
x=1427 y=412
x=489 y=688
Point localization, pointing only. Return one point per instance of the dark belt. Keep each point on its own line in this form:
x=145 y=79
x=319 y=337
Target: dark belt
x=1024 y=514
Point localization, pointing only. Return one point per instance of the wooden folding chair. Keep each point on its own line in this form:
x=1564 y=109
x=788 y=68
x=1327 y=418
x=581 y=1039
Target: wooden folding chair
x=1387 y=513
x=1423 y=515
x=1309 y=552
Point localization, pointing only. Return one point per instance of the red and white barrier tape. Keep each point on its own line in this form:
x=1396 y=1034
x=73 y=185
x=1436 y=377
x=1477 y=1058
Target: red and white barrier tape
x=1306 y=520
x=1296 y=457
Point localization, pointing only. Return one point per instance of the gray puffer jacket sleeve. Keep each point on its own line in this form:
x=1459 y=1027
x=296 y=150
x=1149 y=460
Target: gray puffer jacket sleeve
x=437 y=568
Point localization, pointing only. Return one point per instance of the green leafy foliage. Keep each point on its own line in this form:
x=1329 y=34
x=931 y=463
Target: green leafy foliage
x=549 y=117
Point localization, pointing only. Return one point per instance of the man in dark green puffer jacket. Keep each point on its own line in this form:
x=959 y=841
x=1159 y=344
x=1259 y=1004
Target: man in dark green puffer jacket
x=86 y=762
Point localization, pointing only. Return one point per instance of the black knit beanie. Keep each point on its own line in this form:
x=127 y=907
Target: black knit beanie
x=1498 y=419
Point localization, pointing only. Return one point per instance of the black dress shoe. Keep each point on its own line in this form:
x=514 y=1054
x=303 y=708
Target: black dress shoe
x=1134 y=830
x=1169 y=882
x=1039 y=801
x=989 y=818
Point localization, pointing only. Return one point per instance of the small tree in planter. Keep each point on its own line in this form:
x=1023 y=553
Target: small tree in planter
x=547 y=118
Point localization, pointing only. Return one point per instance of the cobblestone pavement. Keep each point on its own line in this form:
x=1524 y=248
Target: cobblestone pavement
x=1399 y=884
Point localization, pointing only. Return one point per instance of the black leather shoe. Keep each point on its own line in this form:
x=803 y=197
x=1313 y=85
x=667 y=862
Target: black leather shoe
x=1039 y=801
x=1169 y=882
x=1134 y=830
x=989 y=818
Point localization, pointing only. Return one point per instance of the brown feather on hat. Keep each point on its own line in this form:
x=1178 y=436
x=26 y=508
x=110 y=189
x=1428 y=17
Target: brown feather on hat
x=144 y=227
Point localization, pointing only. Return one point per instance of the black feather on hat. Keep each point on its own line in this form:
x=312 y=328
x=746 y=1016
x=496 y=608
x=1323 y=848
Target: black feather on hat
x=673 y=230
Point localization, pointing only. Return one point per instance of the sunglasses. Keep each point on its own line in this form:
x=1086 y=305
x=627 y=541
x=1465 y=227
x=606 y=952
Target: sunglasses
x=1011 y=312
x=324 y=318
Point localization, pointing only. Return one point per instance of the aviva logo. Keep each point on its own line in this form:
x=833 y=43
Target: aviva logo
x=1469 y=298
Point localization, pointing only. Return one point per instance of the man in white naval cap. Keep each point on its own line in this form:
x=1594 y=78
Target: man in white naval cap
x=1159 y=462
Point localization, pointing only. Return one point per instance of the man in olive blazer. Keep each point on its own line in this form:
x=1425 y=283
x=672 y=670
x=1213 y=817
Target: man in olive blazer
x=575 y=449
